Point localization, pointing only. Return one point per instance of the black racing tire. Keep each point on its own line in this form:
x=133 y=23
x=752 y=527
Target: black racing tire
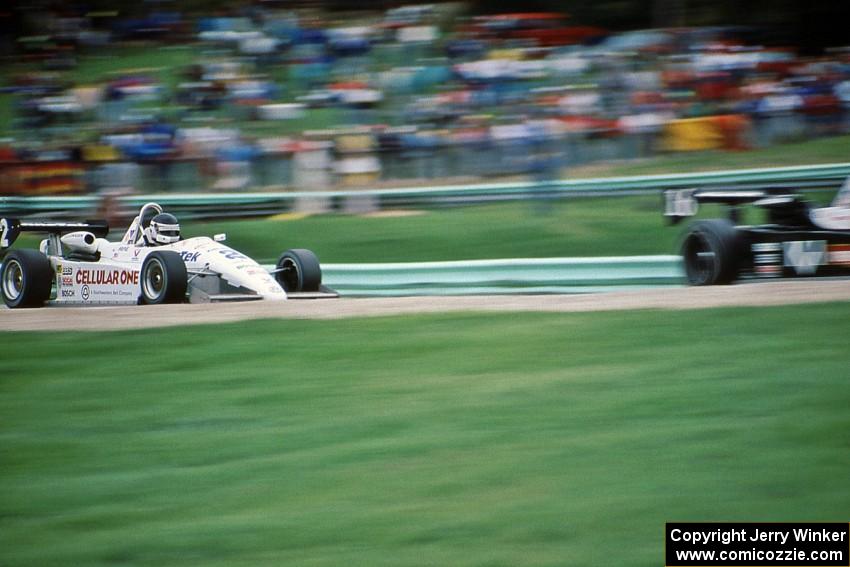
x=163 y=278
x=26 y=279
x=712 y=252
x=298 y=270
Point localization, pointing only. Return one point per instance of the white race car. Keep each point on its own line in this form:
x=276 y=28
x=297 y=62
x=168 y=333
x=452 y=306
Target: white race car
x=150 y=265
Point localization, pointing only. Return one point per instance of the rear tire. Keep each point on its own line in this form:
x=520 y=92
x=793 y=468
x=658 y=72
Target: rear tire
x=299 y=270
x=163 y=278
x=712 y=252
x=26 y=279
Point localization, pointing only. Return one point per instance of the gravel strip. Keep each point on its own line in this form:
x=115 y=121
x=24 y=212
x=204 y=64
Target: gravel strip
x=134 y=317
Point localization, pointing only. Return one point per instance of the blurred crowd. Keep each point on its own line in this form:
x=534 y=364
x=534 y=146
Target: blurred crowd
x=275 y=98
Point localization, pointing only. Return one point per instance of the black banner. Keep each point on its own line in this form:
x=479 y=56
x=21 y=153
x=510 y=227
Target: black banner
x=757 y=544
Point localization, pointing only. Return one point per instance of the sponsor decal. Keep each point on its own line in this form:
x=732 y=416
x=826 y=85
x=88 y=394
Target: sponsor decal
x=85 y=293
x=67 y=280
x=680 y=203
x=804 y=255
x=769 y=271
x=69 y=293
x=107 y=277
x=190 y=256
x=231 y=254
x=767 y=247
x=838 y=254
x=768 y=259
x=110 y=295
x=67 y=271
x=120 y=251
x=5 y=241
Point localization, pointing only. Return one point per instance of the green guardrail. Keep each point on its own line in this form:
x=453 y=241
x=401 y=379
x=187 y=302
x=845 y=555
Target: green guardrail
x=215 y=204
x=526 y=276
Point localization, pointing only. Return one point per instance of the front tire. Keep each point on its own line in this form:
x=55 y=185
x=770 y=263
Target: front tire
x=712 y=252
x=163 y=278
x=298 y=270
x=26 y=279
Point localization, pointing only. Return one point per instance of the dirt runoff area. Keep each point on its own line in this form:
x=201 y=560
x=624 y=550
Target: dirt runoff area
x=136 y=317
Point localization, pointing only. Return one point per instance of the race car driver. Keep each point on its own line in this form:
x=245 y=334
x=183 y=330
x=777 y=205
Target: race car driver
x=163 y=229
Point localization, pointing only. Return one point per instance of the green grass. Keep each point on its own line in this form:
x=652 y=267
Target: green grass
x=622 y=226
x=581 y=227
x=442 y=440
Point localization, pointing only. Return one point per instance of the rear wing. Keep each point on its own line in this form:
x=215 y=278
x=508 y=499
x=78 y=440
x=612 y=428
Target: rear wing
x=682 y=203
x=11 y=228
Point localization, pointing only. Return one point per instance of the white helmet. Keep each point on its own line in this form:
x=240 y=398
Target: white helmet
x=163 y=229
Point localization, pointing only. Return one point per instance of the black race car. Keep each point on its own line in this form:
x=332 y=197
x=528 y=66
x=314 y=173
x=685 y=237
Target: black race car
x=798 y=239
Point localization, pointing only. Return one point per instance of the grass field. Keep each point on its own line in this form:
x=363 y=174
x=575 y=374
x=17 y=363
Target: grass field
x=585 y=227
x=527 y=439
x=623 y=226
x=582 y=227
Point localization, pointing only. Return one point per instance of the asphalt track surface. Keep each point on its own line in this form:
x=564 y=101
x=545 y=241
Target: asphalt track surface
x=137 y=317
